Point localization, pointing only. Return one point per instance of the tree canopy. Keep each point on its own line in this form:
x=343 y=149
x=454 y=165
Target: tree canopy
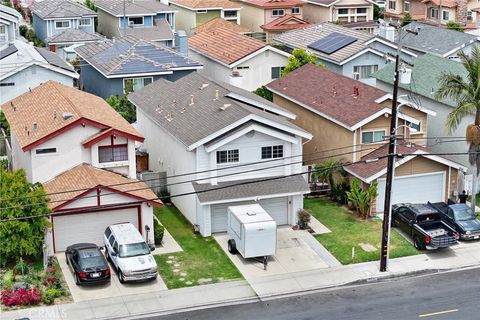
x=299 y=58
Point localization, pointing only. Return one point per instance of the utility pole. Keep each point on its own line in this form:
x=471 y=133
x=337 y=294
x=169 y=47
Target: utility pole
x=440 y=14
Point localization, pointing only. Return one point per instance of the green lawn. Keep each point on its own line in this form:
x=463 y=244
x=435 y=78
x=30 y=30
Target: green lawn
x=348 y=231
x=202 y=258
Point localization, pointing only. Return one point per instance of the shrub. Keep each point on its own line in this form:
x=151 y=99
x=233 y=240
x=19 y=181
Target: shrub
x=164 y=195
x=51 y=270
x=24 y=297
x=8 y=279
x=23 y=30
x=304 y=218
x=452 y=25
x=158 y=232
x=21 y=268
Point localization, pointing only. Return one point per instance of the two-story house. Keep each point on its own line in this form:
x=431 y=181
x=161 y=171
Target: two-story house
x=118 y=66
x=83 y=152
x=194 y=13
x=144 y=19
x=349 y=121
x=344 y=11
x=239 y=148
x=9 y=22
x=353 y=53
x=271 y=17
x=236 y=59
x=63 y=23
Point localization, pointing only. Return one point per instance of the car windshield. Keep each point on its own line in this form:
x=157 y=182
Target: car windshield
x=134 y=249
x=91 y=258
x=464 y=214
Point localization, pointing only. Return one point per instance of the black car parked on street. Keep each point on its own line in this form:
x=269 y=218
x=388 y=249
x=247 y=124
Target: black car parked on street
x=87 y=263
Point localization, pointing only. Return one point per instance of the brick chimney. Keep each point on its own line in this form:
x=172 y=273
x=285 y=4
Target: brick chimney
x=461 y=13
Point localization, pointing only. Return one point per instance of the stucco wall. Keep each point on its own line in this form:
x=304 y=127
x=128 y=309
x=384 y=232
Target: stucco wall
x=252 y=18
x=201 y=18
x=184 y=19
x=107 y=24
x=316 y=14
x=40 y=27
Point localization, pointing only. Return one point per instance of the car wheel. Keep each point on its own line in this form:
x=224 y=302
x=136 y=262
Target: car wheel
x=232 y=247
x=394 y=223
x=417 y=244
x=77 y=279
x=121 y=278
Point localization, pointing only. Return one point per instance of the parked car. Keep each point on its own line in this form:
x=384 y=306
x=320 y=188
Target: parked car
x=129 y=253
x=461 y=218
x=424 y=225
x=87 y=263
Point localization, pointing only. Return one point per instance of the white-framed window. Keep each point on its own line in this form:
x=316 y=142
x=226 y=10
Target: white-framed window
x=3 y=33
x=134 y=84
x=228 y=156
x=135 y=21
x=229 y=14
x=364 y=72
x=46 y=151
x=361 y=10
x=277 y=72
x=272 y=152
x=113 y=153
x=63 y=24
x=433 y=13
x=85 y=22
x=406 y=6
x=414 y=126
x=7 y=84
x=295 y=10
x=445 y=15
x=278 y=12
x=469 y=15
x=373 y=136
x=392 y=4
x=342 y=11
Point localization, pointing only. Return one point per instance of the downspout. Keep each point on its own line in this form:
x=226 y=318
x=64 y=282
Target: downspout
x=354 y=145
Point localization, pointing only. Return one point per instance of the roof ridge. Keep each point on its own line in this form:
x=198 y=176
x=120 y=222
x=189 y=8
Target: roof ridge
x=54 y=83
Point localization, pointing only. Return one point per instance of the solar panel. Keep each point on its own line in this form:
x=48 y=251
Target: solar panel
x=331 y=43
x=8 y=51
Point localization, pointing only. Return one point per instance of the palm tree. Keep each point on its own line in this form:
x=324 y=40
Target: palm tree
x=465 y=91
x=330 y=171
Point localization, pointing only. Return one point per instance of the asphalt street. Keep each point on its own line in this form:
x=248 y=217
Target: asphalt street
x=453 y=295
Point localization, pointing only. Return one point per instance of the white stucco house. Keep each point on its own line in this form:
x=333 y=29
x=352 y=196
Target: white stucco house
x=236 y=59
x=239 y=148
x=67 y=140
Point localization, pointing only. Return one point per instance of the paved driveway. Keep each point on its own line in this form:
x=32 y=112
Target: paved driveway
x=111 y=290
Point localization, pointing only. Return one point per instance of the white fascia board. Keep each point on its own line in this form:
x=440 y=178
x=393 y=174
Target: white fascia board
x=310 y=109
x=371 y=118
x=258 y=104
x=391 y=45
x=210 y=57
x=253 y=127
x=255 y=198
x=205 y=8
x=323 y=5
x=187 y=68
x=442 y=160
x=254 y=54
x=383 y=171
x=6 y=22
x=16 y=70
x=408 y=103
x=300 y=133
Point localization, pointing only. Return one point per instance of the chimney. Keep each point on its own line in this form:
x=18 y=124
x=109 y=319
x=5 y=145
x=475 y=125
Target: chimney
x=461 y=12
x=181 y=42
x=387 y=31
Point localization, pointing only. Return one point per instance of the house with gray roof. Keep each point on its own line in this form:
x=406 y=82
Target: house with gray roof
x=419 y=83
x=61 y=24
x=146 y=19
x=9 y=22
x=243 y=148
x=352 y=53
x=119 y=66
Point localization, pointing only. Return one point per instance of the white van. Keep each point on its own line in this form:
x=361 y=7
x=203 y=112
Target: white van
x=128 y=252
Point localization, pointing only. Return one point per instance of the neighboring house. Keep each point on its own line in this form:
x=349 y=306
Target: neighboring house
x=421 y=81
x=442 y=42
x=345 y=11
x=217 y=23
x=198 y=125
x=271 y=17
x=194 y=13
x=63 y=23
x=114 y=67
x=71 y=140
x=349 y=121
x=355 y=54
x=9 y=22
x=237 y=59
x=145 y=19
x=397 y=9
x=24 y=67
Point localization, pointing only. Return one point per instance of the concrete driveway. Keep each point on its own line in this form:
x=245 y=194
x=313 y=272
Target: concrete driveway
x=111 y=290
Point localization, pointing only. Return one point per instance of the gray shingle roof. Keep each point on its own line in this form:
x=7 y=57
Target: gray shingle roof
x=301 y=38
x=145 y=7
x=53 y=59
x=192 y=123
x=130 y=55
x=73 y=36
x=11 y=49
x=160 y=31
x=250 y=188
x=50 y=9
x=431 y=39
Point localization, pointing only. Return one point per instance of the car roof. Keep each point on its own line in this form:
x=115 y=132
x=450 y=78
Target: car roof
x=79 y=246
x=418 y=208
x=126 y=233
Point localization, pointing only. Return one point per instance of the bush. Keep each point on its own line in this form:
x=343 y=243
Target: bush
x=158 y=232
x=164 y=195
x=23 y=30
x=8 y=279
x=21 y=268
x=304 y=218
x=23 y=297
x=452 y=25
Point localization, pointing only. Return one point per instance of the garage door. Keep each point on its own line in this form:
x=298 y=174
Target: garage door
x=88 y=227
x=413 y=189
x=276 y=208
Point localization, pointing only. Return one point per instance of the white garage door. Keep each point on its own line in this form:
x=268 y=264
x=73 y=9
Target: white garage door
x=88 y=227
x=413 y=189
x=276 y=208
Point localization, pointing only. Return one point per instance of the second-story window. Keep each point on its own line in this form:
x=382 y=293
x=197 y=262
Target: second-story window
x=112 y=153
x=373 y=136
x=229 y=14
x=135 y=21
x=295 y=10
x=64 y=24
x=364 y=72
x=134 y=84
x=46 y=151
x=278 y=13
x=392 y=4
x=272 y=152
x=3 y=34
x=361 y=10
x=85 y=22
x=406 y=7
x=228 y=156
x=342 y=11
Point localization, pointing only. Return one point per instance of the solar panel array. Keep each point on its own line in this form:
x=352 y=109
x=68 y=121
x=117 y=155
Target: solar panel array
x=8 y=51
x=332 y=43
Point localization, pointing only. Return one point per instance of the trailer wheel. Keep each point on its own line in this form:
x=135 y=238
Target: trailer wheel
x=232 y=247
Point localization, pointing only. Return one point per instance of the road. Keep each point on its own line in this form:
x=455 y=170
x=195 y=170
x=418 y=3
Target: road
x=453 y=295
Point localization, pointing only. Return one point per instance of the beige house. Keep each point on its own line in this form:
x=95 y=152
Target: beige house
x=349 y=121
x=346 y=11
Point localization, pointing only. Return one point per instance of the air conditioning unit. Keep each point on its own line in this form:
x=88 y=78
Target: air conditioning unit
x=356 y=76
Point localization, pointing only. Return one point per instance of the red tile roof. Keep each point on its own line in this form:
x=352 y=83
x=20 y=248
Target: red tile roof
x=221 y=23
x=274 y=3
x=287 y=22
x=330 y=94
x=224 y=45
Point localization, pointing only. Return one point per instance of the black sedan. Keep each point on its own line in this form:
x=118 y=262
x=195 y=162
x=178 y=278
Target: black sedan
x=87 y=263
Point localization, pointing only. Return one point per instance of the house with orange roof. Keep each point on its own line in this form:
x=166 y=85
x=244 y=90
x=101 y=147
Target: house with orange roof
x=236 y=59
x=216 y=23
x=343 y=11
x=83 y=152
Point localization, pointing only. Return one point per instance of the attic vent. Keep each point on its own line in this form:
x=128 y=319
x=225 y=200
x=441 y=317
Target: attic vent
x=66 y=115
x=225 y=106
x=204 y=85
x=251 y=213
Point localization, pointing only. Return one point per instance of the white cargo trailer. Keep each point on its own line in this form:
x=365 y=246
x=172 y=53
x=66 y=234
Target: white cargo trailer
x=252 y=232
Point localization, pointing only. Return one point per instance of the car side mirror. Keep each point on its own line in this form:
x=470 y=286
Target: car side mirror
x=114 y=253
x=151 y=246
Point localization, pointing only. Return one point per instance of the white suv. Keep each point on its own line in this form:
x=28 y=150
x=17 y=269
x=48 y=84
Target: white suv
x=129 y=254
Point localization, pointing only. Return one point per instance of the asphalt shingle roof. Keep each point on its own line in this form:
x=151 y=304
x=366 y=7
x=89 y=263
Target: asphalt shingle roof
x=132 y=7
x=130 y=55
x=426 y=72
x=250 y=188
x=73 y=36
x=207 y=4
x=160 y=31
x=54 y=59
x=221 y=23
x=190 y=123
x=51 y=9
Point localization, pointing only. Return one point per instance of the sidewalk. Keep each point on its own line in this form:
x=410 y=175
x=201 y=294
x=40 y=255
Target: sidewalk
x=464 y=255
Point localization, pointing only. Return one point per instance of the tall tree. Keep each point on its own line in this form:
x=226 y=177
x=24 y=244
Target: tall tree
x=330 y=171
x=298 y=58
x=465 y=91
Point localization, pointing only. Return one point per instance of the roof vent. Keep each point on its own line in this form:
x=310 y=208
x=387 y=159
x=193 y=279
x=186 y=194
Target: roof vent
x=67 y=115
x=191 y=100
x=34 y=126
x=13 y=107
x=216 y=95
x=183 y=110
x=204 y=85
x=225 y=106
x=54 y=115
x=169 y=117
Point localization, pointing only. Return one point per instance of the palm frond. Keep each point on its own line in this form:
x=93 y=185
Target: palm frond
x=455 y=117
